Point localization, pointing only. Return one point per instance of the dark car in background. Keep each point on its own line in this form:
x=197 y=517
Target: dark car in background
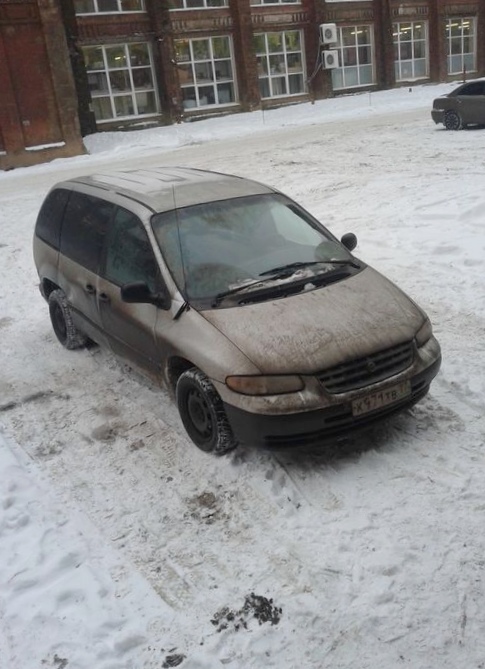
x=463 y=106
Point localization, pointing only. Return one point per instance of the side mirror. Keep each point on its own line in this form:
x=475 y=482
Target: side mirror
x=349 y=240
x=139 y=293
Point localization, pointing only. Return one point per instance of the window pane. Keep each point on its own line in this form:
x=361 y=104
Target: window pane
x=201 y=49
x=116 y=57
x=294 y=62
x=93 y=58
x=102 y=109
x=220 y=47
x=142 y=78
x=275 y=42
x=292 y=40
x=277 y=64
x=259 y=44
x=189 y=98
x=98 y=83
x=296 y=83
x=120 y=81
x=225 y=93
x=84 y=6
x=146 y=102
x=364 y=35
x=131 y=5
x=107 y=6
x=348 y=36
x=223 y=69
x=182 y=51
x=278 y=85
x=185 y=74
x=264 y=88
x=203 y=72
x=123 y=105
x=139 y=54
x=365 y=73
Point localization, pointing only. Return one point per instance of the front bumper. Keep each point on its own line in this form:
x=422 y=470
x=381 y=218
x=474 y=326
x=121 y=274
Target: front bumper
x=438 y=115
x=310 y=428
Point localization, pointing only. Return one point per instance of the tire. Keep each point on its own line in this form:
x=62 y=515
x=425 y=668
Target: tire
x=61 y=319
x=453 y=121
x=202 y=413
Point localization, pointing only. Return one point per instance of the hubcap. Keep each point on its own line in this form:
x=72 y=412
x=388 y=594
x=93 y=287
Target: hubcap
x=199 y=413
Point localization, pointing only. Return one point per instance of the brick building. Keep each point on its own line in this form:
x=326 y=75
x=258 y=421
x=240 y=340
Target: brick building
x=142 y=62
x=38 y=102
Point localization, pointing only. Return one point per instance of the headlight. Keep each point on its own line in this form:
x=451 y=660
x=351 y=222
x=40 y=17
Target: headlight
x=264 y=385
x=424 y=333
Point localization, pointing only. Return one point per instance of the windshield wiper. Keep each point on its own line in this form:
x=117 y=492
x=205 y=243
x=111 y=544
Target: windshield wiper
x=232 y=291
x=293 y=266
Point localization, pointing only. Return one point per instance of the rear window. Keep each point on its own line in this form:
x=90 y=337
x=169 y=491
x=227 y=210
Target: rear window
x=48 y=225
x=84 y=228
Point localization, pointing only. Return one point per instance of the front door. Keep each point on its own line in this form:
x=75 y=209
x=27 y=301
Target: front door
x=128 y=258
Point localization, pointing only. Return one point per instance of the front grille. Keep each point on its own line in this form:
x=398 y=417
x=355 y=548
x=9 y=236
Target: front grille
x=364 y=371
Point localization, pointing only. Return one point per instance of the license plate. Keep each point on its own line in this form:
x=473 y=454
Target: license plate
x=381 y=399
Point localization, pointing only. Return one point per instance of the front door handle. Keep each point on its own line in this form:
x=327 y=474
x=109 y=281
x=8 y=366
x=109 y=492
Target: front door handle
x=90 y=289
x=104 y=298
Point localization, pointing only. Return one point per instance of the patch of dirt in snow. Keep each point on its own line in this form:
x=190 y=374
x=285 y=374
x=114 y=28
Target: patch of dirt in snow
x=255 y=606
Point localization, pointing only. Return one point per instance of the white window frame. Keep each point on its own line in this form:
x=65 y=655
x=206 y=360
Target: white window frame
x=203 y=4
x=198 y=84
x=120 y=9
x=461 y=22
x=399 y=63
x=111 y=95
x=264 y=3
x=341 y=48
x=273 y=78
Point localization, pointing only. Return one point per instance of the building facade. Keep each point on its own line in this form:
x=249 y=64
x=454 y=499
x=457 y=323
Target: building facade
x=136 y=63
x=38 y=102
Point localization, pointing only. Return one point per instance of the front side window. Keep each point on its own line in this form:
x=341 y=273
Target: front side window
x=84 y=227
x=280 y=63
x=206 y=71
x=410 y=50
x=129 y=255
x=356 y=57
x=461 y=38
x=108 y=6
x=254 y=240
x=198 y=4
x=121 y=81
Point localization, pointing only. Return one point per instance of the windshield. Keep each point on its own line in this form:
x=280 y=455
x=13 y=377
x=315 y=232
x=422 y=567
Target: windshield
x=213 y=248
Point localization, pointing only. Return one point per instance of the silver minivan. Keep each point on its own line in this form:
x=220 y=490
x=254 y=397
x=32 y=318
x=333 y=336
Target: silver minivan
x=264 y=326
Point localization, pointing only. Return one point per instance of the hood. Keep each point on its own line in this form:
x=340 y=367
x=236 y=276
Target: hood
x=318 y=329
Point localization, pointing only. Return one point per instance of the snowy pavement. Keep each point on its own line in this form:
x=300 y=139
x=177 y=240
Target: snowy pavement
x=124 y=547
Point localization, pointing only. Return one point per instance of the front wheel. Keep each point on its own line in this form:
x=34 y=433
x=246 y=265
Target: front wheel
x=202 y=413
x=453 y=121
x=62 y=324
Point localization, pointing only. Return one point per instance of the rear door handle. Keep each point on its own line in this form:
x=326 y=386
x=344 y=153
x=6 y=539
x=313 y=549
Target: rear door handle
x=90 y=289
x=104 y=298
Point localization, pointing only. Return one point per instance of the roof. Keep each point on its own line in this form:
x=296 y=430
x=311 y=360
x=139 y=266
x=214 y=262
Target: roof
x=166 y=188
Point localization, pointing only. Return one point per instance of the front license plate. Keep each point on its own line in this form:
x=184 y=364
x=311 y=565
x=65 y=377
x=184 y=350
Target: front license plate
x=381 y=399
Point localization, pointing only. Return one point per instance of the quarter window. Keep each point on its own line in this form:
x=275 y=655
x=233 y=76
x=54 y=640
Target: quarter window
x=356 y=57
x=121 y=81
x=461 y=38
x=48 y=225
x=84 y=228
x=129 y=255
x=108 y=6
x=280 y=63
x=206 y=71
x=410 y=50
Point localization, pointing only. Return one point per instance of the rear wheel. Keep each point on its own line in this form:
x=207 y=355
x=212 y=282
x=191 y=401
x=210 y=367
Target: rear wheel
x=453 y=121
x=61 y=319
x=202 y=413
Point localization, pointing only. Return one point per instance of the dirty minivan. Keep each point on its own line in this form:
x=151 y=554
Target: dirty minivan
x=266 y=328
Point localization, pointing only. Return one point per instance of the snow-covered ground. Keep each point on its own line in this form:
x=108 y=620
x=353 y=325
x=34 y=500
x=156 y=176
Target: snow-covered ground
x=124 y=547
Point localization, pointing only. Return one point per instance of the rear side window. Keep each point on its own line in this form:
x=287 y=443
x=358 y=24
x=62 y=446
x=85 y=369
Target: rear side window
x=48 y=225
x=85 y=223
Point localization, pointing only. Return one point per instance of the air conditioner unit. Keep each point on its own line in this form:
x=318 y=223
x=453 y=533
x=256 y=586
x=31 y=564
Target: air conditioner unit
x=330 y=59
x=328 y=33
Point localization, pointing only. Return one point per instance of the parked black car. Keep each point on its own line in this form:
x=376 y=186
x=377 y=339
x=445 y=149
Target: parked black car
x=463 y=106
